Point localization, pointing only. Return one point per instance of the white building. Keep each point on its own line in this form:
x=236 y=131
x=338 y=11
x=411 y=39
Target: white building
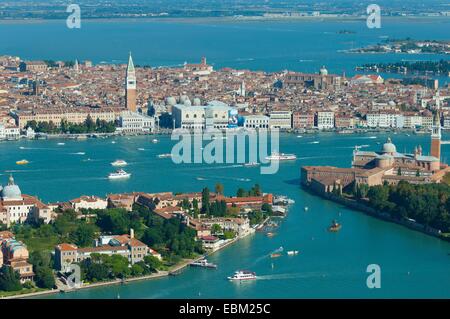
x=16 y=207
x=131 y=122
x=88 y=202
x=2 y=132
x=325 y=120
x=280 y=119
x=213 y=115
x=9 y=132
x=385 y=120
x=256 y=121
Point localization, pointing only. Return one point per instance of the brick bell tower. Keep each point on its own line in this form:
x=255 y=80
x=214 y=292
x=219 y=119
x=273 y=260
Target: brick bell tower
x=436 y=136
x=130 y=86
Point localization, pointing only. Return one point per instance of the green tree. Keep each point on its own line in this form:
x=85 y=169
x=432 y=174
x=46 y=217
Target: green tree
x=9 y=279
x=44 y=278
x=219 y=188
x=205 y=201
x=153 y=263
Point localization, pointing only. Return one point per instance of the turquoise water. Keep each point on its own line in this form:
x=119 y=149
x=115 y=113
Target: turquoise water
x=270 y=46
x=330 y=265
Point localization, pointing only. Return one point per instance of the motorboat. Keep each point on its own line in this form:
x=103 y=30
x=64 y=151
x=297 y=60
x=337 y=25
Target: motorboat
x=167 y=155
x=335 y=226
x=292 y=252
x=119 y=174
x=119 y=163
x=22 y=162
x=281 y=157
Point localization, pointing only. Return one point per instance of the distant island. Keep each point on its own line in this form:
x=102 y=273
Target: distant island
x=418 y=67
x=407 y=45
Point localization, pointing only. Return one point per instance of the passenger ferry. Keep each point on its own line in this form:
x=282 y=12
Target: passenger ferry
x=119 y=174
x=203 y=263
x=119 y=163
x=242 y=275
x=281 y=157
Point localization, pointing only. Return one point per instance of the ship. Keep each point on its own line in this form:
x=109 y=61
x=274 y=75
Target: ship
x=335 y=226
x=281 y=157
x=242 y=275
x=119 y=163
x=119 y=174
x=167 y=155
x=155 y=141
x=292 y=252
x=203 y=263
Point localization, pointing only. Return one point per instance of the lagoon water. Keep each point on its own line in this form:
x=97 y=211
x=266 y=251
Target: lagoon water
x=298 y=45
x=330 y=265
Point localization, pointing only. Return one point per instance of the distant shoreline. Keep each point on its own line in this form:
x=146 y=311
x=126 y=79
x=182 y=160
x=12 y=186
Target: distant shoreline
x=222 y=19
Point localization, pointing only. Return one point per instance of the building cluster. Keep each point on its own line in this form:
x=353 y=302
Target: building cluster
x=124 y=245
x=197 y=96
x=376 y=168
x=14 y=254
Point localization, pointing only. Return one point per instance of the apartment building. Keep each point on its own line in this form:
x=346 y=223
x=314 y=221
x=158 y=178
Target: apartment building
x=325 y=120
x=280 y=119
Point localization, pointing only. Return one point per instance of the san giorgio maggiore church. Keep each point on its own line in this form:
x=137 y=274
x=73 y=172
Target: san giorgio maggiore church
x=16 y=207
x=378 y=167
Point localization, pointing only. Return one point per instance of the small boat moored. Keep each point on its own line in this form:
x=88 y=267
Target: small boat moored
x=203 y=263
x=292 y=252
x=275 y=255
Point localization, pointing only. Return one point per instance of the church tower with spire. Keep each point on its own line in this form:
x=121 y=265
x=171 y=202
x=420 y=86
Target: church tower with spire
x=436 y=136
x=130 y=86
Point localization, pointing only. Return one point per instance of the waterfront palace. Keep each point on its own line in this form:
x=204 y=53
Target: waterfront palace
x=387 y=165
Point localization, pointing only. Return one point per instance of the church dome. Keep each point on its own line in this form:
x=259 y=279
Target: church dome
x=323 y=71
x=389 y=147
x=187 y=103
x=11 y=191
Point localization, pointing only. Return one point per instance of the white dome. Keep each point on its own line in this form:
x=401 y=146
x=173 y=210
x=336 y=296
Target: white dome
x=323 y=71
x=197 y=102
x=389 y=147
x=183 y=99
x=11 y=191
x=171 y=101
x=187 y=103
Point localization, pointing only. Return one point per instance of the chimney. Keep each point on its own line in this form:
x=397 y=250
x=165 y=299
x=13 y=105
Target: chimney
x=131 y=233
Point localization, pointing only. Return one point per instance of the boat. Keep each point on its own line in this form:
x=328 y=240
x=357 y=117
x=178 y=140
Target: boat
x=80 y=153
x=251 y=164
x=61 y=143
x=22 y=162
x=203 y=263
x=269 y=234
x=119 y=174
x=292 y=252
x=155 y=141
x=275 y=255
x=200 y=179
x=119 y=163
x=281 y=157
x=167 y=155
x=335 y=226
x=141 y=149
x=242 y=275
x=306 y=208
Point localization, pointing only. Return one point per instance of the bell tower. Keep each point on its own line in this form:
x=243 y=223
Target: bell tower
x=436 y=136
x=130 y=86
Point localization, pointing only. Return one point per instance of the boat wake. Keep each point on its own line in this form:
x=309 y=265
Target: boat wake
x=290 y=276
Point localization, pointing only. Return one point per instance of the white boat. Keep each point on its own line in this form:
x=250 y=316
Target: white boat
x=306 y=208
x=281 y=157
x=61 y=143
x=292 y=252
x=314 y=142
x=242 y=275
x=203 y=263
x=80 y=153
x=119 y=174
x=167 y=155
x=141 y=149
x=155 y=141
x=119 y=163
x=251 y=164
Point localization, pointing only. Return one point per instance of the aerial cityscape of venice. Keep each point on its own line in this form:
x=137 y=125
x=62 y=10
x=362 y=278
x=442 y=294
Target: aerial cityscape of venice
x=224 y=149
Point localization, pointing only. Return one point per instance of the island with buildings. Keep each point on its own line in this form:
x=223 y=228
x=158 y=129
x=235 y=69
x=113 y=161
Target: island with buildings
x=39 y=99
x=121 y=237
x=409 y=189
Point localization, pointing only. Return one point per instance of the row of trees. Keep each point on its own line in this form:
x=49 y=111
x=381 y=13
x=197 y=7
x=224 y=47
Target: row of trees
x=428 y=204
x=88 y=126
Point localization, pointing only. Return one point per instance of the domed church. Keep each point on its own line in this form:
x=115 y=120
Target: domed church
x=16 y=207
